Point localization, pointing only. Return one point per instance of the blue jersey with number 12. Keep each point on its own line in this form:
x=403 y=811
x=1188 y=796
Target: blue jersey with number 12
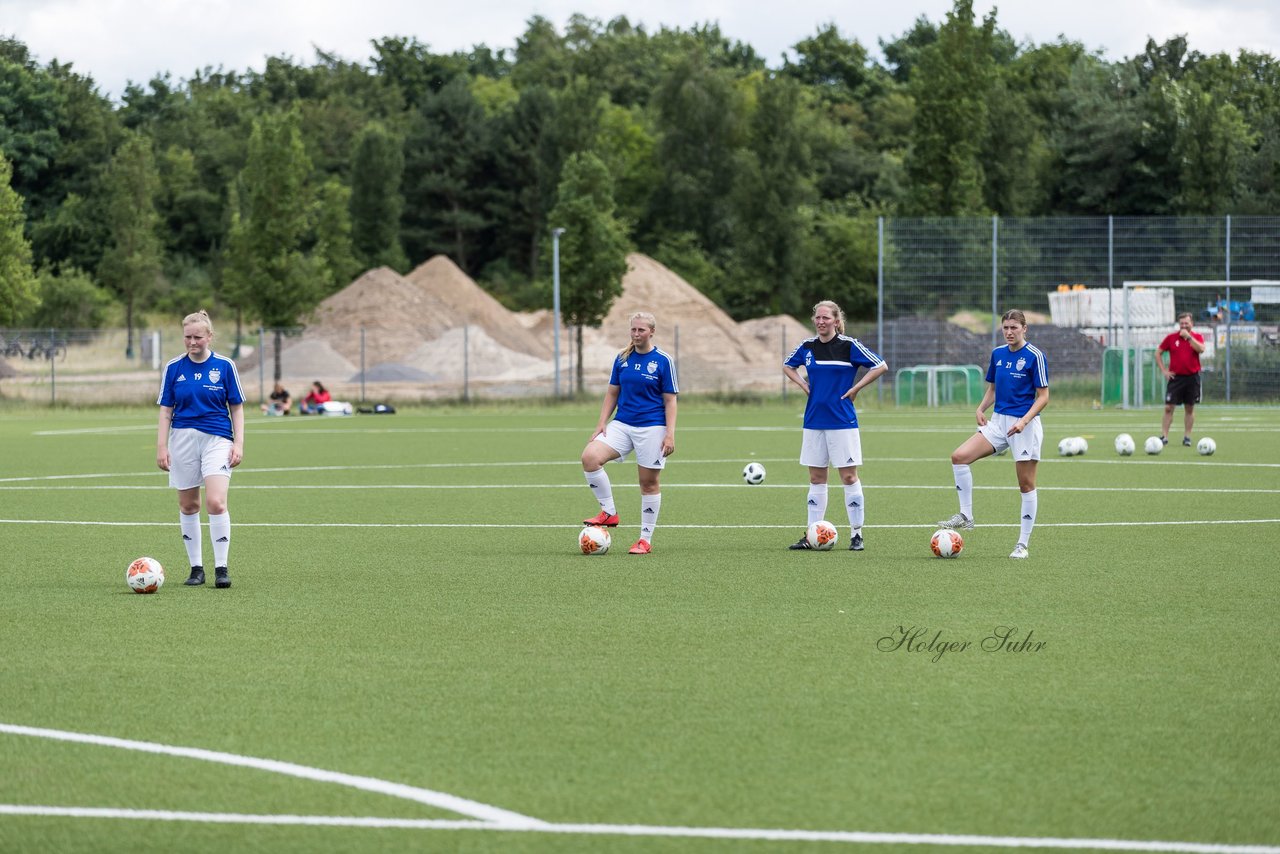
x=642 y=379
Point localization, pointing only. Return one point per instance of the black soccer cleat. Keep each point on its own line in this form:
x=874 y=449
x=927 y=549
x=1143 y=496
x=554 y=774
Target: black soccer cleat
x=221 y=579
x=855 y=543
x=1186 y=441
x=801 y=544
x=197 y=577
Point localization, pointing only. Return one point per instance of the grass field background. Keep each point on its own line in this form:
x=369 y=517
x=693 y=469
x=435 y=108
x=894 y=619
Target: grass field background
x=408 y=605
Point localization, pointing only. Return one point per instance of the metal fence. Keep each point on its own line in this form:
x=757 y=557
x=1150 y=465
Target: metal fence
x=943 y=284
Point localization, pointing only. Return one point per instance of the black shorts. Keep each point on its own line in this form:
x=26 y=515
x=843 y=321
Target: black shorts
x=1183 y=389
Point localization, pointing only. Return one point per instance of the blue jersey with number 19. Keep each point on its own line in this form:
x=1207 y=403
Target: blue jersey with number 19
x=200 y=392
x=642 y=379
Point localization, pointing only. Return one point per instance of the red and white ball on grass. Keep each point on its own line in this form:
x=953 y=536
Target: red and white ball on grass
x=822 y=536
x=145 y=575
x=946 y=543
x=594 y=540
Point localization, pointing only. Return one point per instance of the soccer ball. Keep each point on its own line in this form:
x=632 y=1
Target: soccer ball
x=1125 y=445
x=753 y=473
x=1073 y=446
x=594 y=540
x=1153 y=445
x=145 y=575
x=946 y=543
x=821 y=535
x=1206 y=447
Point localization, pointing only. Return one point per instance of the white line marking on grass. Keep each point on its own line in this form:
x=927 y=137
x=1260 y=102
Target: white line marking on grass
x=575 y=463
x=453 y=803
x=623 y=486
x=560 y=526
x=643 y=830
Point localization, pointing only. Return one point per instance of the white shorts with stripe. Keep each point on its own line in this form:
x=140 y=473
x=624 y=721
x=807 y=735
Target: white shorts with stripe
x=1025 y=445
x=645 y=441
x=194 y=455
x=839 y=448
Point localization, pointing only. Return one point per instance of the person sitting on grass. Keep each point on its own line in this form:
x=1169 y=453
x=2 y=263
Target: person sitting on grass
x=313 y=403
x=280 y=402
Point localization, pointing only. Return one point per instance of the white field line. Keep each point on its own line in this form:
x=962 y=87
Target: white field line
x=453 y=803
x=665 y=526
x=674 y=485
x=242 y=472
x=644 y=830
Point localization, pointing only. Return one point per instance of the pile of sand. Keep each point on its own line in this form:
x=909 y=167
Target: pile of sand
x=413 y=328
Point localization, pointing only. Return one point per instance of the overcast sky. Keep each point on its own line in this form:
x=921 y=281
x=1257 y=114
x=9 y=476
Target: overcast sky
x=115 y=41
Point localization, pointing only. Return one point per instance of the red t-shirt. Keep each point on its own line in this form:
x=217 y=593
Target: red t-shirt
x=1183 y=359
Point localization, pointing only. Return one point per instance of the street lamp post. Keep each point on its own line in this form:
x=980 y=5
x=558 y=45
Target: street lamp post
x=555 y=297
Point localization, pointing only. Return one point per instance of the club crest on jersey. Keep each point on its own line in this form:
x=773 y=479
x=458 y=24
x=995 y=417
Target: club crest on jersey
x=1022 y=363
x=653 y=367
x=215 y=375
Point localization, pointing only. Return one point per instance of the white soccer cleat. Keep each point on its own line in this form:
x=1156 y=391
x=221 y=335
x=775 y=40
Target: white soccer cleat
x=1020 y=551
x=957 y=522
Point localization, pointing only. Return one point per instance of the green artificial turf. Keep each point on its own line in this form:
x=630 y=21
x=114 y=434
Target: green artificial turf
x=408 y=605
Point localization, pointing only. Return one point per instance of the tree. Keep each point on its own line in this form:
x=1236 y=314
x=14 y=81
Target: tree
x=444 y=183
x=951 y=84
x=593 y=249
x=131 y=264
x=268 y=273
x=377 y=168
x=18 y=289
x=69 y=299
x=772 y=185
x=333 y=235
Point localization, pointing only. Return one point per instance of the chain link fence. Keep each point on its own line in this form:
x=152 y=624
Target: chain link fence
x=943 y=285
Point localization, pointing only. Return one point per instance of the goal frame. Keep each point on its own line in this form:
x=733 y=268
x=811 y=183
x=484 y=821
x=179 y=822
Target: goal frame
x=1223 y=285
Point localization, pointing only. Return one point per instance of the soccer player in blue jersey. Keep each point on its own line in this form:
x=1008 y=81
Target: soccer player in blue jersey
x=1018 y=384
x=831 y=361
x=200 y=439
x=643 y=388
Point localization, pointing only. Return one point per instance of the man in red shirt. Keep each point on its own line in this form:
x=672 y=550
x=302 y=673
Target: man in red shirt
x=1183 y=373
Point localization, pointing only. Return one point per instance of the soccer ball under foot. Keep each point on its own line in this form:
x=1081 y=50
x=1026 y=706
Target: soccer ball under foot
x=594 y=540
x=822 y=536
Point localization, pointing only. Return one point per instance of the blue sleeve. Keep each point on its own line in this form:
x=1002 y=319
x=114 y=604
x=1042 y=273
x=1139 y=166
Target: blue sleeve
x=669 y=384
x=613 y=375
x=991 y=367
x=796 y=359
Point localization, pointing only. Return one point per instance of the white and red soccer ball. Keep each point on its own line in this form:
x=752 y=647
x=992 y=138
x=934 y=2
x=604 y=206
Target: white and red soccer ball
x=145 y=575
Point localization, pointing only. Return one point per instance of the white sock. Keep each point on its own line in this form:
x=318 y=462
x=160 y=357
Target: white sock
x=220 y=533
x=817 y=502
x=192 y=537
x=854 y=504
x=1029 y=505
x=649 y=507
x=602 y=489
x=964 y=487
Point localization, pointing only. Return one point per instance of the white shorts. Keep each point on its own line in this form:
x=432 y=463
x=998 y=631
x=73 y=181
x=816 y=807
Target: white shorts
x=839 y=448
x=194 y=455
x=645 y=441
x=1025 y=445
